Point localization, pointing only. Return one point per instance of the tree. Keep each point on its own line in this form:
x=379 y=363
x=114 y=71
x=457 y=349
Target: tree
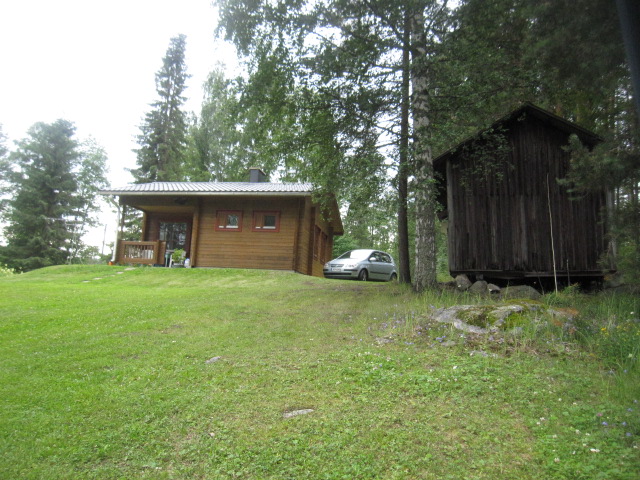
x=90 y=178
x=4 y=170
x=215 y=136
x=55 y=181
x=348 y=56
x=163 y=132
x=43 y=178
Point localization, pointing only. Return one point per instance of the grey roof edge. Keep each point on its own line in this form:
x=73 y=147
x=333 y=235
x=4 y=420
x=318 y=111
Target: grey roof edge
x=212 y=189
x=299 y=193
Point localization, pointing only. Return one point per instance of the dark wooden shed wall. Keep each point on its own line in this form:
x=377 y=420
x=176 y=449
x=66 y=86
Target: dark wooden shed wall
x=499 y=224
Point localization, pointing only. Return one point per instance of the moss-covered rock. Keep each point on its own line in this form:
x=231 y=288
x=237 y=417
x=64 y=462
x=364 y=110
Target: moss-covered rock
x=493 y=318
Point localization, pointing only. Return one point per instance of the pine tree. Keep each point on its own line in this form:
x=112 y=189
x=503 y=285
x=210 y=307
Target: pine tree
x=163 y=132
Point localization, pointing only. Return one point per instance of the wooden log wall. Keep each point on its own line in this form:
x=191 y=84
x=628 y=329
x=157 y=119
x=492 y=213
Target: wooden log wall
x=289 y=248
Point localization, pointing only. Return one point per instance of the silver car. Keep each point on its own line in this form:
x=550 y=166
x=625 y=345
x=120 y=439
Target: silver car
x=363 y=264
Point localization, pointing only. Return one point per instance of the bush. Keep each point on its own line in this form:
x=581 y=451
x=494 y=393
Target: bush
x=5 y=271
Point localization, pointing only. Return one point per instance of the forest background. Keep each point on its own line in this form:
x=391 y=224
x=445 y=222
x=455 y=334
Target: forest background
x=356 y=97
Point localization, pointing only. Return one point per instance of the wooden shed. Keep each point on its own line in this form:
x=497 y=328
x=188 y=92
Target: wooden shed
x=255 y=224
x=508 y=216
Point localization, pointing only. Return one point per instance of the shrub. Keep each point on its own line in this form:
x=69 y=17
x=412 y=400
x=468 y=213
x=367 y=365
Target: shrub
x=5 y=271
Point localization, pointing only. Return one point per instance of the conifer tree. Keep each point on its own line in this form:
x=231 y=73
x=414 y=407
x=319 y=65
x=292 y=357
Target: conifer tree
x=37 y=233
x=4 y=169
x=54 y=183
x=163 y=132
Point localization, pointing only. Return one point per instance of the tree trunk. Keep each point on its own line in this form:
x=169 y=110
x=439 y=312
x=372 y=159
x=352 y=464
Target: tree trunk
x=404 y=261
x=425 y=256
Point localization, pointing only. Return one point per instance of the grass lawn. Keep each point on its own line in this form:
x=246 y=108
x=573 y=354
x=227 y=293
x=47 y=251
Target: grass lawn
x=110 y=373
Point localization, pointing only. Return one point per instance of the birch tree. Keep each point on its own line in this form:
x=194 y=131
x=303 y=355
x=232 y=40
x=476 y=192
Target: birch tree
x=349 y=54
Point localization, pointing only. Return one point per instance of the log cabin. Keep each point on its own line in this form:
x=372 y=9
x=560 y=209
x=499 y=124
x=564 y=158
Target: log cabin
x=508 y=215
x=255 y=224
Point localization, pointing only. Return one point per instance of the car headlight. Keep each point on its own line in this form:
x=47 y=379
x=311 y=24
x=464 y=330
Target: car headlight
x=326 y=265
x=352 y=265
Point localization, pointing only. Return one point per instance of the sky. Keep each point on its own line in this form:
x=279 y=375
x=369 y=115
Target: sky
x=94 y=63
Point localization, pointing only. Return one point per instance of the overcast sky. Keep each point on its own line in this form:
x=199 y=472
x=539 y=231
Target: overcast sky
x=93 y=62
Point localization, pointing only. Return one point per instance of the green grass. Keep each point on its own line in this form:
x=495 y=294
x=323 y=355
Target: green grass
x=105 y=376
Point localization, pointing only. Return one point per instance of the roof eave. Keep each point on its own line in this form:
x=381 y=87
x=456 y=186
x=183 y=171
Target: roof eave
x=203 y=194
x=574 y=127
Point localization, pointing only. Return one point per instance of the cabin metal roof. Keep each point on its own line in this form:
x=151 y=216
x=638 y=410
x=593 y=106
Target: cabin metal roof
x=211 y=188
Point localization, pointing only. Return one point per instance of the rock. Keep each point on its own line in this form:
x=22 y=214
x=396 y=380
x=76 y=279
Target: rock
x=520 y=291
x=500 y=314
x=295 y=413
x=613 y=280
x=213 y=360
x=517 y=331
x=452 y=315
x=563 y=314
x=479 y=288
x=462 y=282
x=480 y=353
x=480 y=319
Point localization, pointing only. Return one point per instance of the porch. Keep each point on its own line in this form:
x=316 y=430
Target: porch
x=143 y=253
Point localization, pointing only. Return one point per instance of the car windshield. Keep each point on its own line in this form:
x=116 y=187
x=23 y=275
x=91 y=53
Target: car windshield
x=356 y=254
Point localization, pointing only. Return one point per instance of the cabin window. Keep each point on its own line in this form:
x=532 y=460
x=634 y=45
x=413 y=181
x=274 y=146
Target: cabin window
x=229 y=221
x=264 y=221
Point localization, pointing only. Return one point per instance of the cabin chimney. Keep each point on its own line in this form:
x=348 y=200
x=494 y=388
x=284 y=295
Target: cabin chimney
x=256 y=175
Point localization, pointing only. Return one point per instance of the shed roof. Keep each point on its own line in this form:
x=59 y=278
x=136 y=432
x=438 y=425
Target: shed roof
x=586 y=136
x=212 y=188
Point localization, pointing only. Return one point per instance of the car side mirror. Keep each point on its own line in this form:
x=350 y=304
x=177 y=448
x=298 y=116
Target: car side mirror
x=372 y=259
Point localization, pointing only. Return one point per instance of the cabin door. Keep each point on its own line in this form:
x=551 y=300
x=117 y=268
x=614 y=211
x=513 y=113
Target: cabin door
x=175 y=234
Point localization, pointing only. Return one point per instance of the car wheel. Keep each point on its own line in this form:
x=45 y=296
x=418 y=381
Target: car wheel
x=363 y=275
x=393 y=278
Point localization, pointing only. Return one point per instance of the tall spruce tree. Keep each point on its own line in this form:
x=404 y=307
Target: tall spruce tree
x=163 y=132
x=44 y=213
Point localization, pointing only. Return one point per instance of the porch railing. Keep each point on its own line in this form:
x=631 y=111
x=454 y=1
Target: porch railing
x=148 y=253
